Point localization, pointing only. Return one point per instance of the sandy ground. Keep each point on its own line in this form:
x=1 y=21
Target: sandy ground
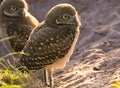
x=96 y=59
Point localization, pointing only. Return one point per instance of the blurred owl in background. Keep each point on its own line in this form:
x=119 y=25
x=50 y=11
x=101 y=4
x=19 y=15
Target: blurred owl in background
x=16 y=22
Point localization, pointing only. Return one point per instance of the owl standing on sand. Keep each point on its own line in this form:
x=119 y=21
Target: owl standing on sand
x=51 y=44
x=16 y=22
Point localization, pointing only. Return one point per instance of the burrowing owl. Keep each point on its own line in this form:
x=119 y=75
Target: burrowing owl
x=16 y=21
x=51 y=44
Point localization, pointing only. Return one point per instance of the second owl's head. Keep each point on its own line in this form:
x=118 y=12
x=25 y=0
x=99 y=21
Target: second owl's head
x=13 y=8
x=62 y=14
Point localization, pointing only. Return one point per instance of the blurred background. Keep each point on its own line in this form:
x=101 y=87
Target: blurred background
x=40 y=7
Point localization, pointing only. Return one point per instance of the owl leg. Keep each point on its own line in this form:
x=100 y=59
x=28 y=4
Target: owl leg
x=48 y=73
x=46 y=76
x=50 y=76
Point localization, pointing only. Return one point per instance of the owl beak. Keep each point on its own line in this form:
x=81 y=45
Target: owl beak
x=73 y=20
x=22 y=12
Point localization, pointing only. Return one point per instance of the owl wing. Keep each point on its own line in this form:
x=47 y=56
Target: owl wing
x=45 y=46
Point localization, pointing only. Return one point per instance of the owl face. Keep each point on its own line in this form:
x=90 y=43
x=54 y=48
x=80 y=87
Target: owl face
x=13 y=8
x=61 y=15
x=66 y=19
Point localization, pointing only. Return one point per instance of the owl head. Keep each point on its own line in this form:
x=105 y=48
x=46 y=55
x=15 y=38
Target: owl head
x=13 y=8
x=62 y=14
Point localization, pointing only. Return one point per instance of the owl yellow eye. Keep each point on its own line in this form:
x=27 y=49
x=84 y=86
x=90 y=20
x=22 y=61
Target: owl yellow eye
x=66 y=17
x=13 y=8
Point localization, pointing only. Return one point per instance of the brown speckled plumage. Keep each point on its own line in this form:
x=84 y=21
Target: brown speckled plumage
x=53 y=41
x=17 y=21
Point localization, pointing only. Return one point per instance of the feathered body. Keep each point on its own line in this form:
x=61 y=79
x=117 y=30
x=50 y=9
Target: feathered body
x=17 y=22
x=51 y=44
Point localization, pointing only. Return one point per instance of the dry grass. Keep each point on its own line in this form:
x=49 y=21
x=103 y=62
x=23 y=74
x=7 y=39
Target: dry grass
x=11 y=77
